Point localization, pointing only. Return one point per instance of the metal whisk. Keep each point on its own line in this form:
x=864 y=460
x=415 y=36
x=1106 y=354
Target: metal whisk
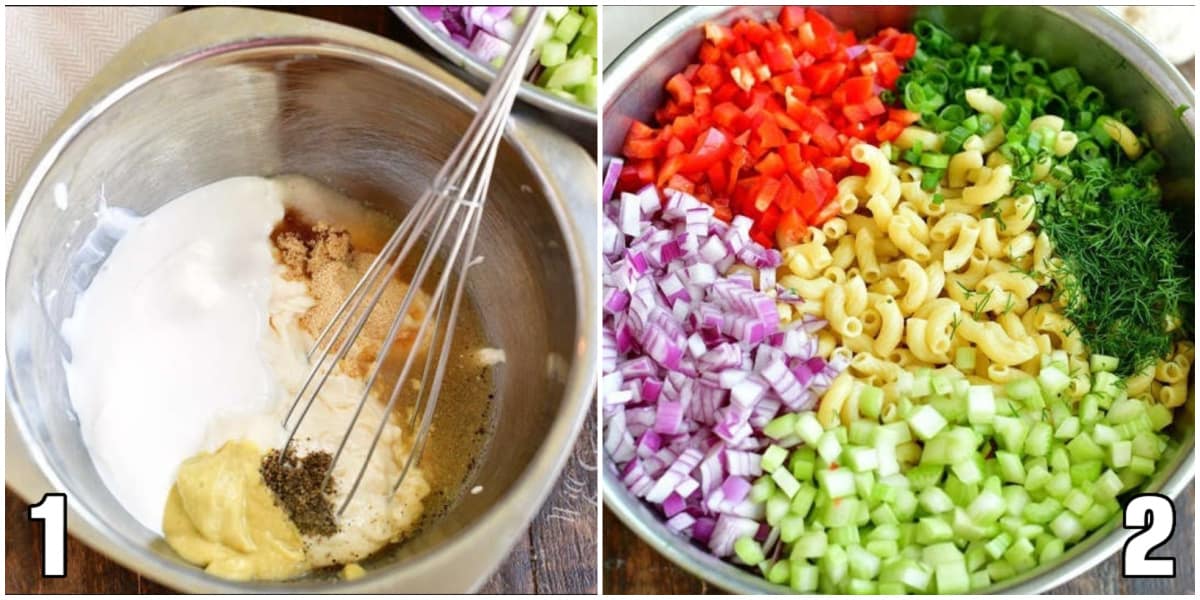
x=449 y=211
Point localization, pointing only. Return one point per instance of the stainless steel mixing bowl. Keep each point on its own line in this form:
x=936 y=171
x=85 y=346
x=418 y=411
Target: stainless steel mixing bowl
x=215 y=93
x=1107 y=52
x=580 y=114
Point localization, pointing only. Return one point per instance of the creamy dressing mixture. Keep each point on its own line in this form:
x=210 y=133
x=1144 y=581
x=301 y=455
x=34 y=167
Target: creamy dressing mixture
x=194 y=333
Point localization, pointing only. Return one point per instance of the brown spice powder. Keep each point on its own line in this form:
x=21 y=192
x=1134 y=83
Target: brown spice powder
x=296 y=482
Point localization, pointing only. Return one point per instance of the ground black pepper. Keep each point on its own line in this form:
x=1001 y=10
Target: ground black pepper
x=296 y=482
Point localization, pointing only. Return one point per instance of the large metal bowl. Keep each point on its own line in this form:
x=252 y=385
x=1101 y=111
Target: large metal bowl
x=561 y=107
x=215 y=93
x=1107 y=53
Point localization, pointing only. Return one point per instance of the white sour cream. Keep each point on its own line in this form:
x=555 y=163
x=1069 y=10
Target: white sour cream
x=165 y=342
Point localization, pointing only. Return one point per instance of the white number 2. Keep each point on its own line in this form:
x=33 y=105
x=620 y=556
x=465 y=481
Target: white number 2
x=52 y=512
x=1154 y=515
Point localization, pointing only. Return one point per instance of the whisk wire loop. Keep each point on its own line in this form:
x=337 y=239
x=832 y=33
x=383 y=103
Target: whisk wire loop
x=452 y=209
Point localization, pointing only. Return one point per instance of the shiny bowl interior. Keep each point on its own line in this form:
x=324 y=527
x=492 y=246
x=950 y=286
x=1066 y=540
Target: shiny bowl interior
x=373 y=128
x=481 y=71
x=1107 y=53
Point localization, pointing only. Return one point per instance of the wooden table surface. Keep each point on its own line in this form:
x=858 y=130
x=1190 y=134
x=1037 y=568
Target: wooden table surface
x=556 y=555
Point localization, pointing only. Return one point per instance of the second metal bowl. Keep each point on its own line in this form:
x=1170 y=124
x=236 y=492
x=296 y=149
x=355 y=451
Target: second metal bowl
x=1103 y=48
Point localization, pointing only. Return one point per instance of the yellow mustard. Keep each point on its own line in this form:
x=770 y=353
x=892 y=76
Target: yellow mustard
x=221 y=515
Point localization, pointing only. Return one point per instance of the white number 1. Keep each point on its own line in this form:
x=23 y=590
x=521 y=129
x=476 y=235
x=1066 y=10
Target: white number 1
x=1154 y=515
x=52 y=512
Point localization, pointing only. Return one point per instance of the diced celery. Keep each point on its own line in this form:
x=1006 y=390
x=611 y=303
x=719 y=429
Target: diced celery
x=828 y=446
x=885 y=456
x=804 y=577
x=925 y=475
x=926 y=422
x=893 y=433
x=837 y=483
x=574 y=72
x=1121 y=454
x=935 y=501
x=1010 y=432
x=780 y=572
x=781 y=426
x=987 y=507
x=998 y=545
x=864 y=482
x=803 y=463
x=1141 y=466
x=981 y=404
x=1060 y=459
x=1067 y=527
x=976 y=555
x=961 y=493
x=921 y=385
x=905 y=505
x=949 y=446
x=1000 y=570
x=556 y=13
x=862 y=432
x=791 y=527
x=915 y=576
x=931 y=530
x=1146 y=445
x=1021 y=555
x=1160 y=416
x=884 y=532
x=1107 y=486
x=1053 y=381
x=568 y=27
x=786 y=482
x=1101 y=362
x=1015 y=499
x=908 y=453
x=863 y=564
x=802 y=502
x=1084 y=448
x=1036 y=477
x=882 y=493
x=969 y=470
x=980 y=579
x=884 y=515
x=1024 y=390
x=1037 y=441
x=808 y=428
x=845 y=536
x=891 y=589
x=841 y=512
x=553 y=53
x=941 y=553
x=883 y=548
x=1052 y=550
x=772 y=458
x=1106 y=384
x=748 y=551
x=1085 y=472
x=970 y=530
x=762 y=489
x=1059 y=485
x=1089 y=408
x=1010 y=466
x=1067 y=429
x=839 y=432
x=812 y=544
x=834 y=564
x=861 y=587
x=1096 y=516
x=1124 y=410
x=1078 y=502
x=860 y=458
x=952 y=578
x=776 y=509
x=1042 y=512
x=870 y=401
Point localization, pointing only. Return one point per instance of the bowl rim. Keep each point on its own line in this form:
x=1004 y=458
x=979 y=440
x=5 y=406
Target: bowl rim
x=527 y=492
x=476 y=68
x=634 y=513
